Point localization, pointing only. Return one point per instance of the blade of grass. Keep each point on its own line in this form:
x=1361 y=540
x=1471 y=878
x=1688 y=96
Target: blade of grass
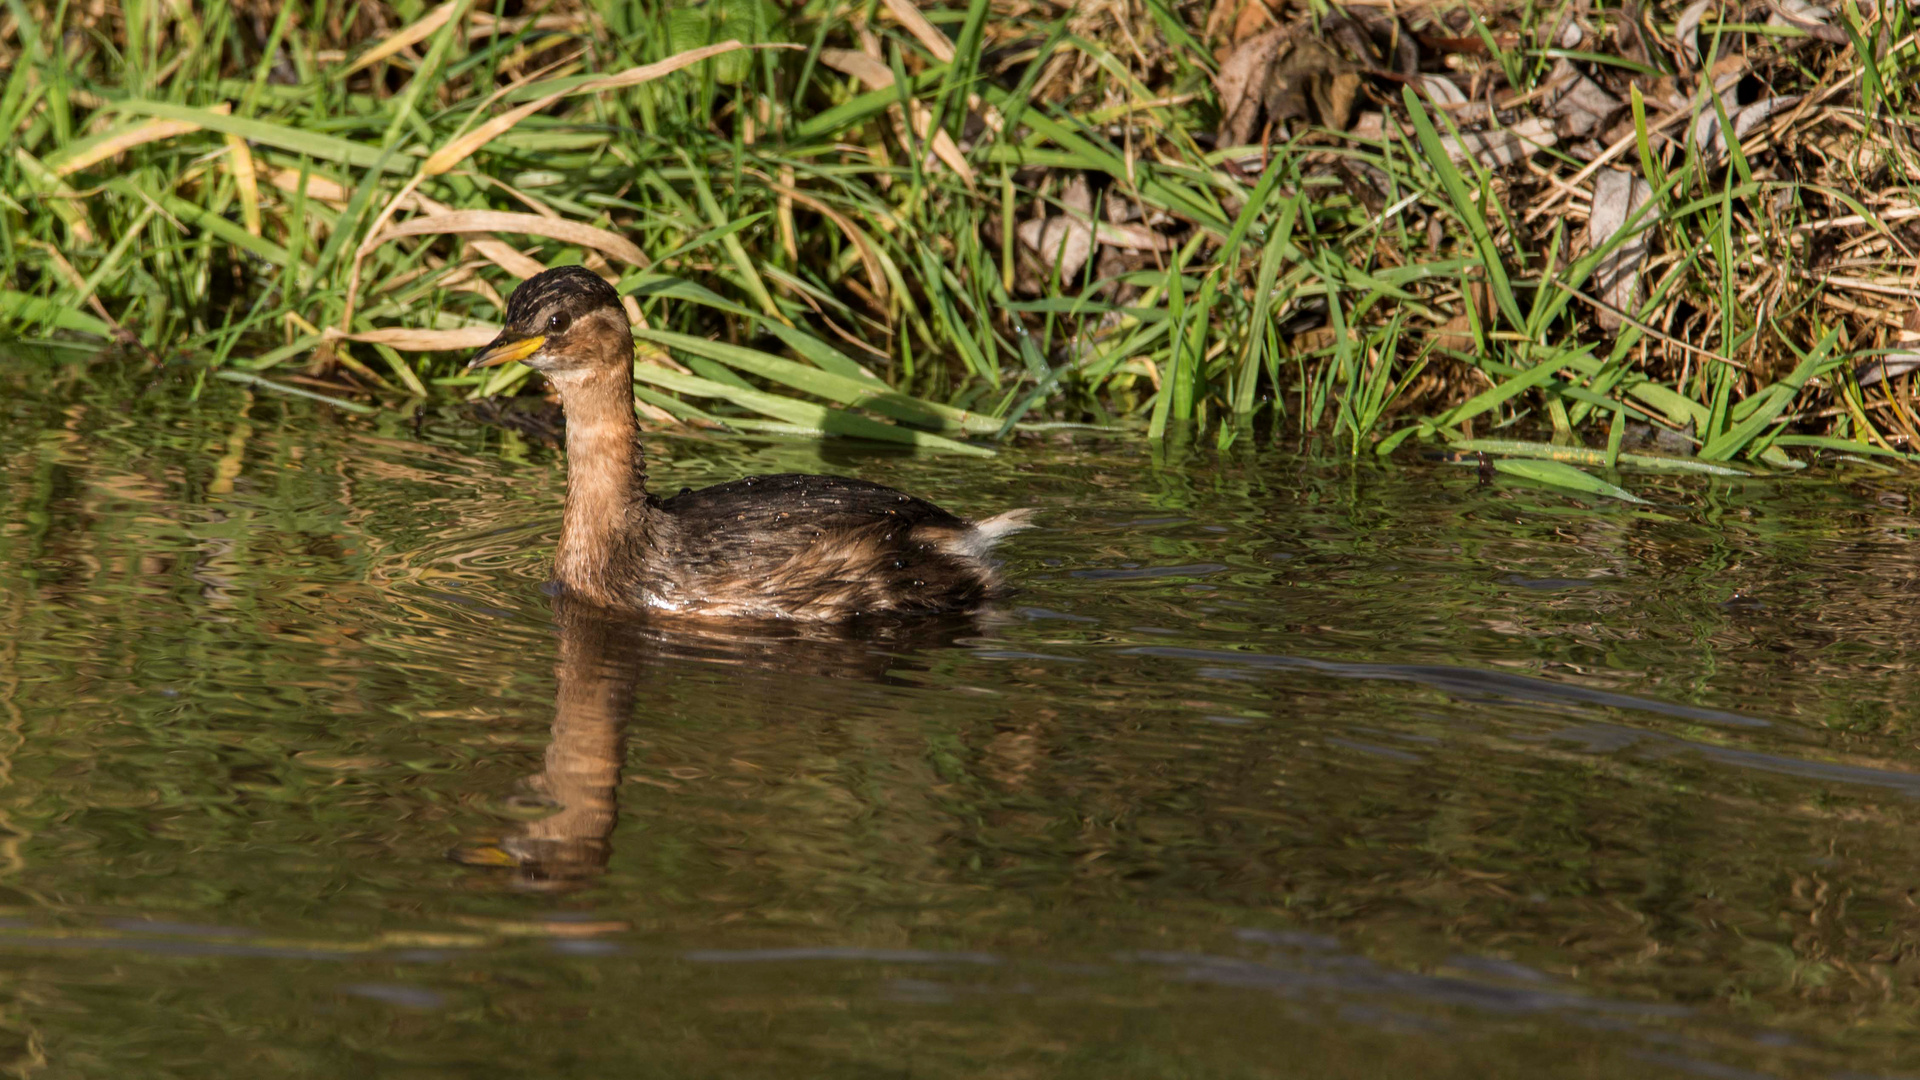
x=820 y=417
x=1466 y=208
x=1781 y=394
x=860 y=393
x=1561 y=475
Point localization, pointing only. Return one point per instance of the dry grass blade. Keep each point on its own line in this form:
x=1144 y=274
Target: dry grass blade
x=1626 y=319
x=79 y=284
x=417 y=31
x=923 y=31
x=862 y=244
x=57 y=195
x=318 y=187
x=326 y=190
x=487 y=221
x=648 y=72
x=411 y=340
x=503 y=255
x=1131 y=237
x=484 y=23
x=876 y=76
x=246 y=182
x=463 y=147
x=87 y=155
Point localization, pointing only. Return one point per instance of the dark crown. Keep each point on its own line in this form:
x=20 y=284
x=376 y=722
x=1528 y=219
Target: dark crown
x=576 y=288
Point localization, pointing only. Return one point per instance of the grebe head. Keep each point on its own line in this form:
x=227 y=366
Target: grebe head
x=565 y=319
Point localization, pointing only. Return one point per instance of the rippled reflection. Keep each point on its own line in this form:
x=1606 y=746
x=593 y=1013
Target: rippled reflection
x=604 y=659
x=1368 y=770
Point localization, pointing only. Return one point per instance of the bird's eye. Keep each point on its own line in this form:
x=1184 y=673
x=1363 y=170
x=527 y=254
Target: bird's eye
x=558 y=322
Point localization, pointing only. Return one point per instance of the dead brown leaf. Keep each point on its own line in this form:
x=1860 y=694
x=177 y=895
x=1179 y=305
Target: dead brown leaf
x=1064 y=241
x=1502 y=146
x=1686 y=31
x=1584 y=106
x=1887 y=366
x=1893 y=364
x=1283 y=75
x=1234 y=21
x=1616 y=196
x=1811 y=18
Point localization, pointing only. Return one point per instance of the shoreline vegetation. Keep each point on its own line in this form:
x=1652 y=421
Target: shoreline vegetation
x=1540 y=237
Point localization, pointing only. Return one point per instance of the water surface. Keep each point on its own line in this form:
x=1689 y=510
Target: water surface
x=1276 y=765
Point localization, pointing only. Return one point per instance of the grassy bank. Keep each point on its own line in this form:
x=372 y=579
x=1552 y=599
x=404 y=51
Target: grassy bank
x=1689 y=226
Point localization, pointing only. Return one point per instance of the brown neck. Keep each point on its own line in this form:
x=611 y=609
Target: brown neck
x=602 y=534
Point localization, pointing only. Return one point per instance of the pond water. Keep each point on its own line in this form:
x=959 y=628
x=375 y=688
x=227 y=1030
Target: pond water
x=1275 y=764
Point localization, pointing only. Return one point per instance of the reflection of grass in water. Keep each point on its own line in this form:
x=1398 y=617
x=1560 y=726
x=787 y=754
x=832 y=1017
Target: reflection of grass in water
x=212 y=180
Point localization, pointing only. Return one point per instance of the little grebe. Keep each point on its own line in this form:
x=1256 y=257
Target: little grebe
x=787 y=546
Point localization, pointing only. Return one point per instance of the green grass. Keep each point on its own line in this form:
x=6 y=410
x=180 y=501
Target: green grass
x=213 y=189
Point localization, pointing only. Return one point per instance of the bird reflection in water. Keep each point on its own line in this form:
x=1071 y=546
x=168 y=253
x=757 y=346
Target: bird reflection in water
x=604 y=656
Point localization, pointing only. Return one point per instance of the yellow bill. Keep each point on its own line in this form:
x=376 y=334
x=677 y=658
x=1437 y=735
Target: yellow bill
x=505 y=352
